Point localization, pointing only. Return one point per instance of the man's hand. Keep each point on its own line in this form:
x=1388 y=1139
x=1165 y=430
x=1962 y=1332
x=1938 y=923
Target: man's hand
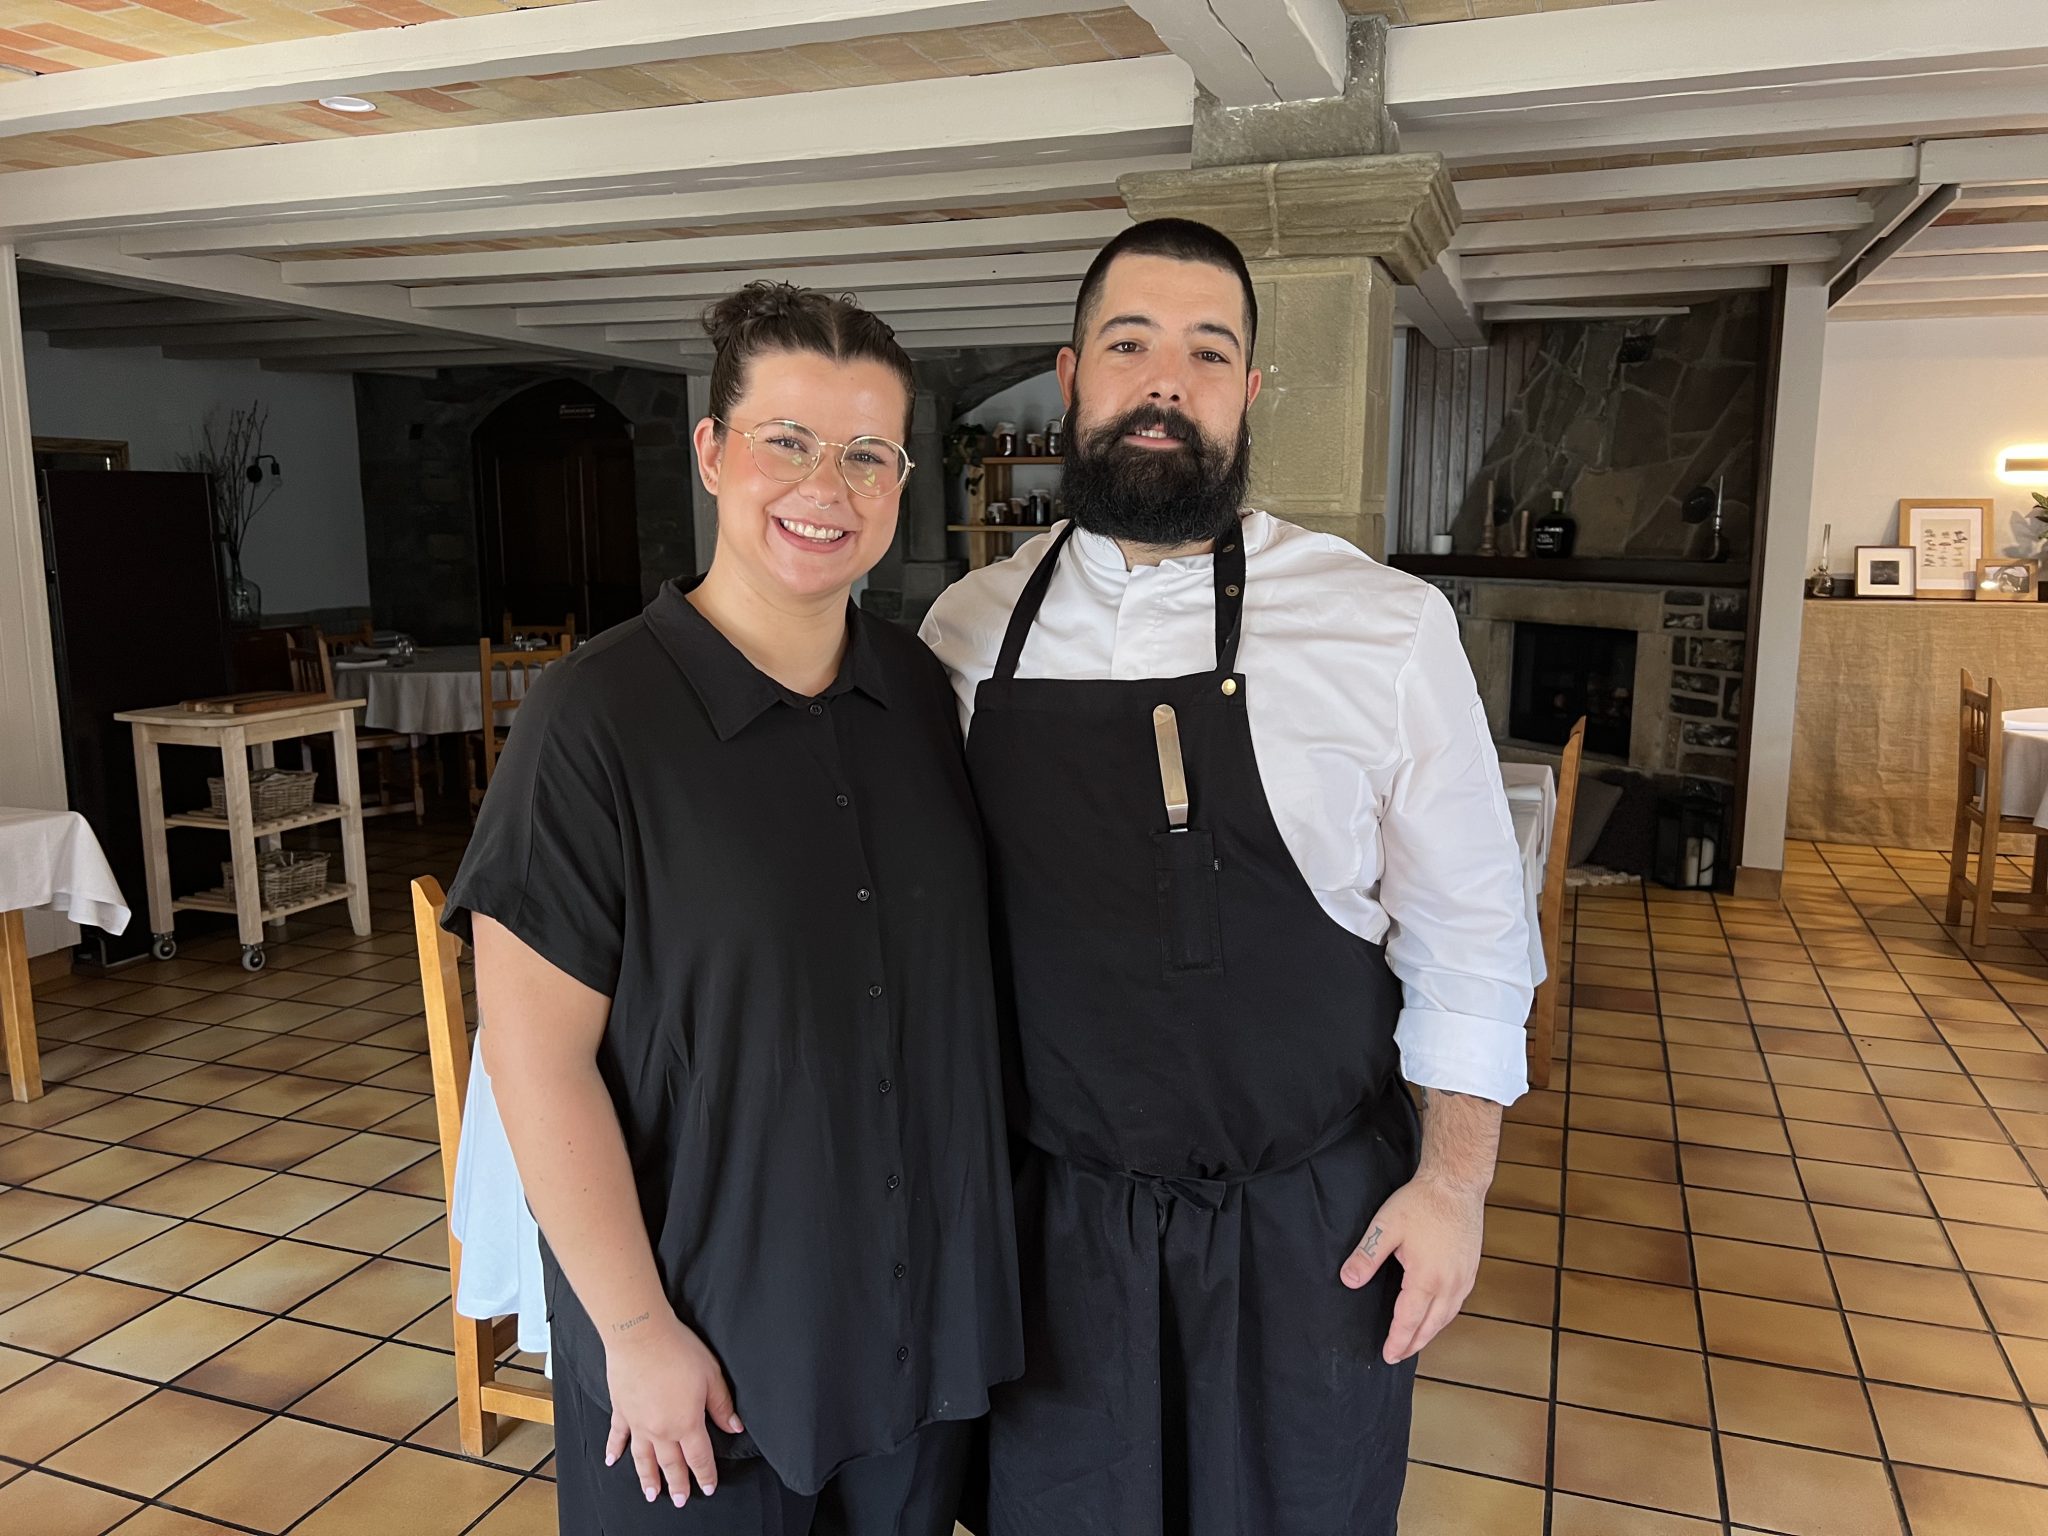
x=664 y=1384
x=1435 y=1229
x=1434 y=1222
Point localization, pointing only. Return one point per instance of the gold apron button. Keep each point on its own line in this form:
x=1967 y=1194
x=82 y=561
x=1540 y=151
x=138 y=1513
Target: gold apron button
x=1229 y=686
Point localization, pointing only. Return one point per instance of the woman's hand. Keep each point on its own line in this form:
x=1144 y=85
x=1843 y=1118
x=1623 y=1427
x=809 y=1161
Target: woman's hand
x=664 y=1384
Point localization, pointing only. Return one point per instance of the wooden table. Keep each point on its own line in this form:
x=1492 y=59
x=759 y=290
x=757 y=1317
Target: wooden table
x=47 y=859
x=236 y=738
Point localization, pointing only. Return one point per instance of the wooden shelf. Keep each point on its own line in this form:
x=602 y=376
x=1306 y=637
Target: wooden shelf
x=1648 y=573
x=995 y=528
x=218 y=900
x=312 y=816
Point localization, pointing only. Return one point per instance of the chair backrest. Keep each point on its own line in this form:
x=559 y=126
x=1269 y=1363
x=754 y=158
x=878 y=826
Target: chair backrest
x=311 y=665
x=1558 y=862
x=500 y=699
x=562 y=634
x=1980 y=746
x=447 y=1029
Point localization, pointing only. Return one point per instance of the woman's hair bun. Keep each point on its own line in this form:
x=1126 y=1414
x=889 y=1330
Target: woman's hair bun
x=764 y=300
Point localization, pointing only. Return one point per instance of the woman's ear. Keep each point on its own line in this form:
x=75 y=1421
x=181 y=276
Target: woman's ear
x=710 y=453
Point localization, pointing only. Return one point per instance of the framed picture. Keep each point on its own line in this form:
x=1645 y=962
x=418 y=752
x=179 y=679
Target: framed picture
x=1885 y=570
x=1948 y=541
x=2008 y=580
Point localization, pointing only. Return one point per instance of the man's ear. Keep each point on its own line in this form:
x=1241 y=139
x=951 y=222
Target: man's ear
x=1252 y=381
x=1065 y=366
x=710 y=453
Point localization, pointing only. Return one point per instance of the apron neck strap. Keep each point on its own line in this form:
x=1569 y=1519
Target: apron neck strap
x=1229 y=578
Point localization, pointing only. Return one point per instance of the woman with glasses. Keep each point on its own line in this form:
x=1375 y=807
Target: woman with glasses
x=729 y=910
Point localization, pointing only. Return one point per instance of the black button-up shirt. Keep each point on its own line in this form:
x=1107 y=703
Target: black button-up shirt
x=785 y=900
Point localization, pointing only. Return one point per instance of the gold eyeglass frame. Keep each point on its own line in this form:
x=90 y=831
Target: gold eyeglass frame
x=838 y=463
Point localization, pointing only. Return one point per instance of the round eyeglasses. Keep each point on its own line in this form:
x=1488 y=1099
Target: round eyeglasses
x=790 y=452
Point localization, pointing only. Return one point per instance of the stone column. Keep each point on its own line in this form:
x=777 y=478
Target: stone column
x=1328 y=224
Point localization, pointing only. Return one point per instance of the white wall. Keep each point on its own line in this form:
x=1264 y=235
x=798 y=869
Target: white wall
x=1920 y=409
x=306 y=550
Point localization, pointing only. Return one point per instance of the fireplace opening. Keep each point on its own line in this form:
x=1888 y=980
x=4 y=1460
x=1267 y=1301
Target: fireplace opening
x=1563 y=671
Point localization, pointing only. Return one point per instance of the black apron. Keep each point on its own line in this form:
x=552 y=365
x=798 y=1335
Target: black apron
x=1204 y=1073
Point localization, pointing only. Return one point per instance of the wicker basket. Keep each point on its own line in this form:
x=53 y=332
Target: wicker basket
x=284 y=876
x=272 y=792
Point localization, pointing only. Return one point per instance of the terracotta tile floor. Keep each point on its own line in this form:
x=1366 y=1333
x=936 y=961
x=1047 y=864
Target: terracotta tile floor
x=1769 y=1256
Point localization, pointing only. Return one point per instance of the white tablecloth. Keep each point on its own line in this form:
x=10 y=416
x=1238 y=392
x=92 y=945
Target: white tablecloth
x=440 y=693
x=2026 y=765
x=501 y=1242
x=51 y=859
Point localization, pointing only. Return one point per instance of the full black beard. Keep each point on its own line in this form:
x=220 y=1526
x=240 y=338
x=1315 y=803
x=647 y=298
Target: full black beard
x=1150 y=496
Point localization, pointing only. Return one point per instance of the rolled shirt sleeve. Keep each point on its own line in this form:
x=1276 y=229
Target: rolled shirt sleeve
x=1451 y=881
x=547 y=858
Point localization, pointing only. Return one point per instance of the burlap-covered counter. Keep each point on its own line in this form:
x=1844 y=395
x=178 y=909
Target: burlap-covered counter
x=1874 y=743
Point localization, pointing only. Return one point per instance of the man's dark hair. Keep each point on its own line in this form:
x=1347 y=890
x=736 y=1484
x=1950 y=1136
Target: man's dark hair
x=1179 y=240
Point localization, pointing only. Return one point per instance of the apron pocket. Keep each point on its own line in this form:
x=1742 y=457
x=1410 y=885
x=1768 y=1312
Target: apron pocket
x=1190 y=927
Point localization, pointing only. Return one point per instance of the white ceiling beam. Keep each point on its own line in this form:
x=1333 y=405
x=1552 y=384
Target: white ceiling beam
x=1789 y=250
x=1025 y=232
x=916 y=320
x=2021 y=194
x=1199 y=37
x=1076 y=111
x=1920 y=269
x=910 y=193
x=992 y=336
x=242 y=332
x=2010 y=157
x=1978 y=240
x=1302 y=47
x=1783 y=119
x=1412 y=311
x=416 y=360
x=1442 y=288
x=1608 y=286
x=885 y=302
x=387 y=343
x=1960 y=309
x=254 y=280
x=598 y=34
x=1892 y=209
x=1503 y=313
x=1029 y=266
x=146 y=312
x=1802 y=216
x=1564 y=192
x=2030 y=287
x=1681 y=47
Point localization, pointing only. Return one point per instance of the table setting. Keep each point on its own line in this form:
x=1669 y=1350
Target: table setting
x=2025 y=791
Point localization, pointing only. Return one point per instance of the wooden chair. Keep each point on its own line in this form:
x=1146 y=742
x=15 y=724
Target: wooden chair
x=1550 y=911
x=480 y=1398
x=562 y=634
x=1980 y=786
x=312 y=664
x=490 y=741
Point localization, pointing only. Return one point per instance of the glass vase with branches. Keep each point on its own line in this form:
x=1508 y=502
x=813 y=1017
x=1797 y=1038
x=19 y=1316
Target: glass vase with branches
x=230 y=454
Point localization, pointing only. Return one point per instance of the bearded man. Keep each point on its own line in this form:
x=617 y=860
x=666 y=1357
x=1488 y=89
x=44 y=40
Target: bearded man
x=1252 y=866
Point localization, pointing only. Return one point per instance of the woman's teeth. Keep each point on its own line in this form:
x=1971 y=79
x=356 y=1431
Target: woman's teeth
x=813 y=532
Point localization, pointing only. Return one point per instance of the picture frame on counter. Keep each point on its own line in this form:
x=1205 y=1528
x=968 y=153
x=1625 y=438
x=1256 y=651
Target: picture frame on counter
x=2008 y=579
x=1947 y=539
x=1885 y=570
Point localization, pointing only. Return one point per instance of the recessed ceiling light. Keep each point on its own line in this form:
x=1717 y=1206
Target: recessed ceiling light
x=347 y=104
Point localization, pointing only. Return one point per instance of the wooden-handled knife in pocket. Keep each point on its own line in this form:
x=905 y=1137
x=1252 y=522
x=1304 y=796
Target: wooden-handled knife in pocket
x=1173 y=778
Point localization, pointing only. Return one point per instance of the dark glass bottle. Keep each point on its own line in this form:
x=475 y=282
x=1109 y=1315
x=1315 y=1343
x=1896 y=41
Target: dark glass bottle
x=1555 y=532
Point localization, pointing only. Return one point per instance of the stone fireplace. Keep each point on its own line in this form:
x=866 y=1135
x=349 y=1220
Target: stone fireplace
x=1565 y=672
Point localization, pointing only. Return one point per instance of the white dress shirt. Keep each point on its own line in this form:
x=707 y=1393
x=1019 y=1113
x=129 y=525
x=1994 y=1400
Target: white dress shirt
x=1370 y=739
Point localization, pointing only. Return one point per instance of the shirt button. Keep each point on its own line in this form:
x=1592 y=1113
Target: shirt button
x=902 y=1354
x=862 y=894
x=886 y=1085
x=841 y=801
x=817 y=709
x=875 y=990
x=901 y=1271
x=894 y=1181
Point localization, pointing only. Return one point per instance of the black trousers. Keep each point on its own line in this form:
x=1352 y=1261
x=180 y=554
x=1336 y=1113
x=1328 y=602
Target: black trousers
x=912 y=1491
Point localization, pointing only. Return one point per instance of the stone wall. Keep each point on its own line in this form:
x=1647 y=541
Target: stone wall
x=1626 y=441
x=419 y=490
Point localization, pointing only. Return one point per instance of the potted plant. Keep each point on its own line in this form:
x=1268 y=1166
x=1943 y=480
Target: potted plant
x=241 y=478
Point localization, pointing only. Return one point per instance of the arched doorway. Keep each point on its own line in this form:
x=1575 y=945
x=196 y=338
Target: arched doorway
x=555 y=504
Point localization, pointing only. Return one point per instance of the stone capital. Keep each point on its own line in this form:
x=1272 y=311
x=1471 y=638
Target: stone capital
x=1398 y=209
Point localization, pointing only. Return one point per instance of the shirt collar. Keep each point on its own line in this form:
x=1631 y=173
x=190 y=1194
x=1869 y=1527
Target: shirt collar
x=1102 y=552
x=734 y=691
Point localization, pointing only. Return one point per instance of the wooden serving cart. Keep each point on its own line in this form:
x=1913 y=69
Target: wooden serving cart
x=241 y=729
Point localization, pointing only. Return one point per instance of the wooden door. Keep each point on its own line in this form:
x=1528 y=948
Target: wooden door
x=555 y=496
